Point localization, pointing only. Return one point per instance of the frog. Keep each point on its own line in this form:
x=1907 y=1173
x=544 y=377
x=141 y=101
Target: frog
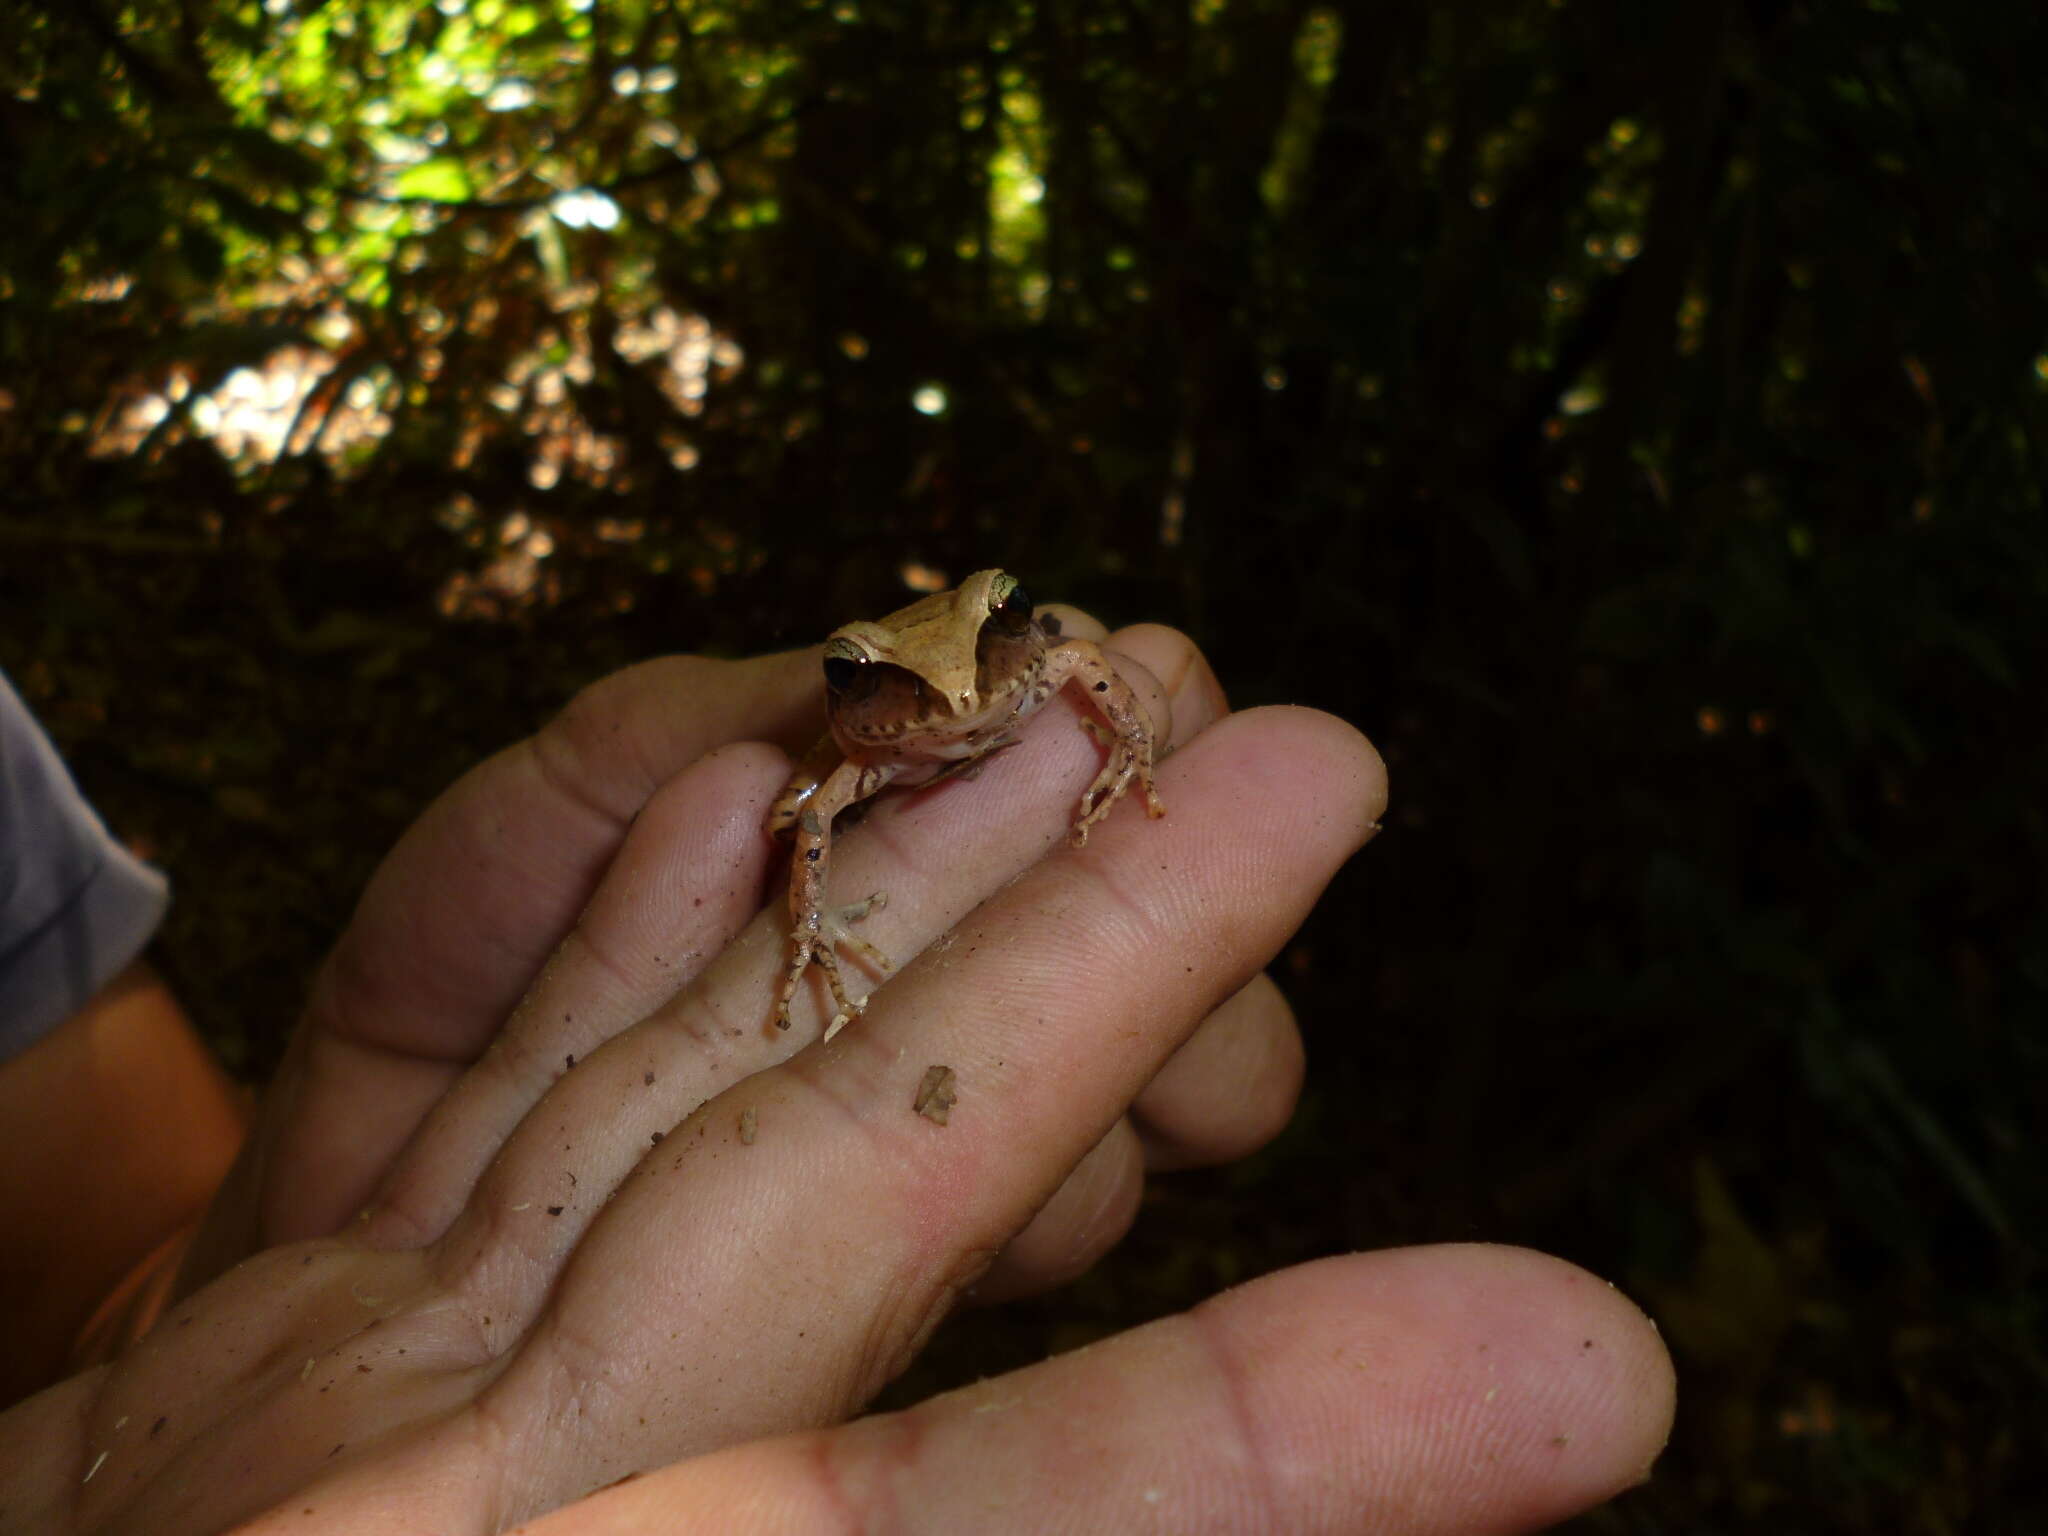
x=928 y=693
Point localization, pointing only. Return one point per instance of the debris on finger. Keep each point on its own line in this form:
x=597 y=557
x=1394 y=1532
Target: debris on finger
x=936 y=1094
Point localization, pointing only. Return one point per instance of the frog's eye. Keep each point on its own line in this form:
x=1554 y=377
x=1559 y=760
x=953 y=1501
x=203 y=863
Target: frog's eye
x=1013 y=613
x=848 y=677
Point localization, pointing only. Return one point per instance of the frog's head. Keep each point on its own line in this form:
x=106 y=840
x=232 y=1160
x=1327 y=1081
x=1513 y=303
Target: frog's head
x=947 y=656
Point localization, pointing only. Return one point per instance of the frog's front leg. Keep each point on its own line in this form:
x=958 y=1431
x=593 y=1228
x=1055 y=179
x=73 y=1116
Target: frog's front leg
x=1129 y=734
x=820 y=930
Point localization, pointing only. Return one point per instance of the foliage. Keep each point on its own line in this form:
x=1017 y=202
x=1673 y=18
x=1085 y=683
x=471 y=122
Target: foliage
x=1632 y=416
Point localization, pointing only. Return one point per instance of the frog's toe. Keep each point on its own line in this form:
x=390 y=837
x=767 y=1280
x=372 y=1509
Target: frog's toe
x=855 y=912
x=805 y=953
x=845 y=1016
x=867 y=952
x=838 y=932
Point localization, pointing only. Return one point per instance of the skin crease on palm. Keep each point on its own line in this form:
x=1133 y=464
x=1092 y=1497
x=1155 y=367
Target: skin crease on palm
x=471 y=1281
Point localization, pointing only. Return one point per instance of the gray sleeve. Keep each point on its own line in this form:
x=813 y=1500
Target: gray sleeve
x=75 y=906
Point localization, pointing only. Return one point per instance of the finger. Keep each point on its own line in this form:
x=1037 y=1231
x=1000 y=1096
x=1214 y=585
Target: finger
x=689 y=876
x=480 y=891
x=1097 y=1202
x=1462 y=1390
x=1230 y=1089
x=1202 y=1115
x=1225 y=1093
x=1072 y=621
x=848 y=1222
x=1086 y=1217
x=1182 y=671
x=458 y=919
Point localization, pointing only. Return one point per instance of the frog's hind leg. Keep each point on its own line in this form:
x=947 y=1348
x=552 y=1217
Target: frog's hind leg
x=818 y=930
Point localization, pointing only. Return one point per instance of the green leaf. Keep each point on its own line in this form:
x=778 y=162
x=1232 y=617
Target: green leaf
x=442 y=181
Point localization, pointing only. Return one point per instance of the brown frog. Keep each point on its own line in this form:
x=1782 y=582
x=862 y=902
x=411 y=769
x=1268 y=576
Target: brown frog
x=928 y=692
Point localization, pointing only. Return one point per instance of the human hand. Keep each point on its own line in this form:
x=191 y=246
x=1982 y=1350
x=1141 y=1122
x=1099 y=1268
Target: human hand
x=479 y=894
x=540 y=1298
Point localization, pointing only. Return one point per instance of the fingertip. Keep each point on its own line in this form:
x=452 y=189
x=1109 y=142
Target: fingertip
x=1190 y=685
x=1345 y=757
x=1230 y=1088
x=1087 y=1216
x=1302 y=772
x=657 y=716
x=1068 y=620
x=1532 y=1387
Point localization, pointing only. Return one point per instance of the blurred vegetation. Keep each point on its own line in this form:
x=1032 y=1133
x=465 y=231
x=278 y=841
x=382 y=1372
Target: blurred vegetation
x=1632 y=416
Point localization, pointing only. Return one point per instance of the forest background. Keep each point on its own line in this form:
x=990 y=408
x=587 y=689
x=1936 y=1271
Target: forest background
x=1634 y=417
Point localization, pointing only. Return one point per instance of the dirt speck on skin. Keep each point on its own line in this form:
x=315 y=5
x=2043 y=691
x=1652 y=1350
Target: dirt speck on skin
x=936 y=1094
x=750 y=1121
